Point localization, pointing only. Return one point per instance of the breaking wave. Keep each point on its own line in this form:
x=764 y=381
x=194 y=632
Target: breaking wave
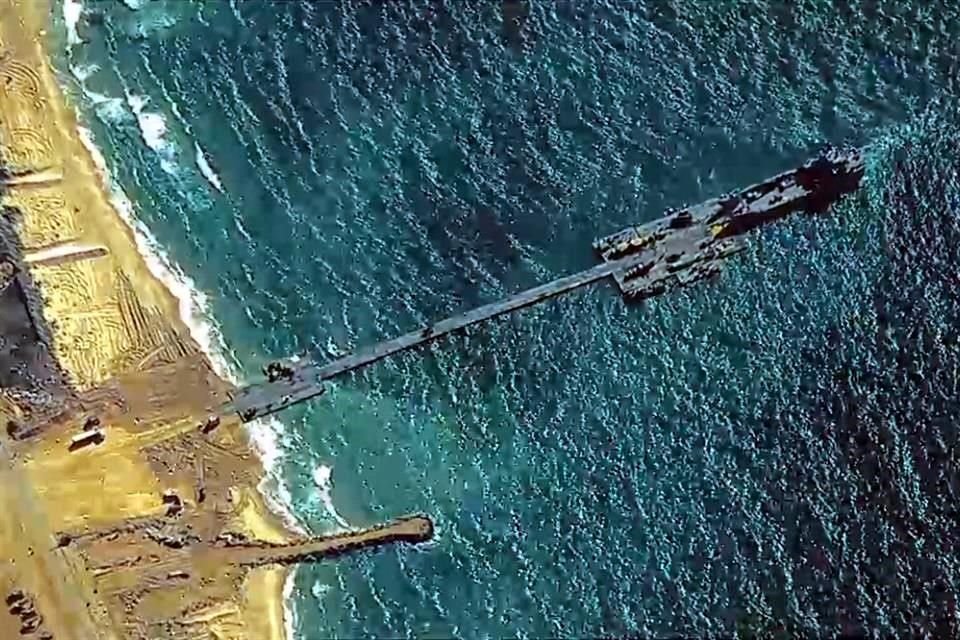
x=204 y=165
x=323 y=479
x=153 y=129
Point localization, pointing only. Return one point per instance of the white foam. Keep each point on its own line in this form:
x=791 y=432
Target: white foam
x=83 y=71
x=134 y=4
x=153 y=130
x=318 y=590
x=204 y=165
x=154 y=20
x=323 y=478
x=109 y=109
x=193 y=309
x=72 y=10
x=152 y=125
x=265 y=434
x=86 y=138
x=290 y=621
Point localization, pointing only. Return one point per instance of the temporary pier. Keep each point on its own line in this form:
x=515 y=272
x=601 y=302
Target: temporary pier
x=674 y=251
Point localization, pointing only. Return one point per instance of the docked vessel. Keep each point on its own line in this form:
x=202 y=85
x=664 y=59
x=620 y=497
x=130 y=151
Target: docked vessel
x=691 y=244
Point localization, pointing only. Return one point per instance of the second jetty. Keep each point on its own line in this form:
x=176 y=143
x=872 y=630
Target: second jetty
x=677 y=250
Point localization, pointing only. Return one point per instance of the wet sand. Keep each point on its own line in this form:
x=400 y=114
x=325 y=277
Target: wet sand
x=119 y=351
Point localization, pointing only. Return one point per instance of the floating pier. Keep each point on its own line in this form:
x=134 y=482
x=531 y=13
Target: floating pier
x=306 y=380
x=690 y=244
x=677 y=250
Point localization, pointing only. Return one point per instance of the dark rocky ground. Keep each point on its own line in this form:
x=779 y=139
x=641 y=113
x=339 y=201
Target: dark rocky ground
x=30 y=377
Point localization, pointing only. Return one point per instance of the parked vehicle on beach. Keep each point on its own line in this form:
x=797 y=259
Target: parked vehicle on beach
x=87 y=438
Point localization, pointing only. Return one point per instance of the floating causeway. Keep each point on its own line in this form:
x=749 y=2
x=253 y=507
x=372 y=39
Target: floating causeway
x=677 y=250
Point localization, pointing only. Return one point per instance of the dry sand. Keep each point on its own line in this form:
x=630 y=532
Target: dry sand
x=84 y=533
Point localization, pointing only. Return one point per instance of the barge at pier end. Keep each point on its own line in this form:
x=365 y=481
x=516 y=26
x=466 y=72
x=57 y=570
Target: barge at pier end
x=679 y=249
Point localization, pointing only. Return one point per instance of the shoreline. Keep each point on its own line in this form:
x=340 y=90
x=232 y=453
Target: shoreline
x=194 y=312
x=155 y=283
x=203 y=329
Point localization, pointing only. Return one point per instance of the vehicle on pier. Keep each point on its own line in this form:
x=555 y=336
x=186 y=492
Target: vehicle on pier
x=691 y=244
x=278 y=370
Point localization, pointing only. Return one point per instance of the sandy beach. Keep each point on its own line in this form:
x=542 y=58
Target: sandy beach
x=89 y=534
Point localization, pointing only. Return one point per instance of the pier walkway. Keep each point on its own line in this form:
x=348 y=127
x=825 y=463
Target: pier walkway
x=306 y=381
x=674 y=251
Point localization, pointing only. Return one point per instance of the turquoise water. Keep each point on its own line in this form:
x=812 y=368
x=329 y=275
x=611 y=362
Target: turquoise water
x=772 y=449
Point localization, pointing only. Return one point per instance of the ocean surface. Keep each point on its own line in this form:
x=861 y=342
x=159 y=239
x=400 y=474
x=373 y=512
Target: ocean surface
x=776 y=450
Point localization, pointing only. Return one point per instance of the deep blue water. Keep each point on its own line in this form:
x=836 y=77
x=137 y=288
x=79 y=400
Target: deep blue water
x=777 y=447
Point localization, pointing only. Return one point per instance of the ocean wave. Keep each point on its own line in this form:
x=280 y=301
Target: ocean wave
x=149 y=19
x=109 y=109
x=318 y=591
x=72 y=10
x=323 y=479
x=266 y=434
x=153 y=130
x=153 y=125
x=83 y=71
x=290 y=619
x=204 y=165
